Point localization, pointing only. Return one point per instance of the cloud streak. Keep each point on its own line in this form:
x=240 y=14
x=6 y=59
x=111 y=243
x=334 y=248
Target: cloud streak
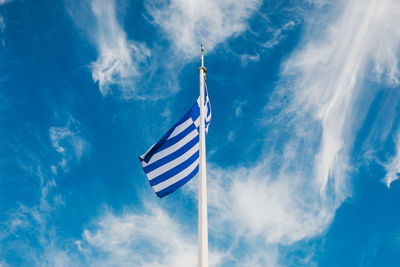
x=393 y=167
x=2 y=24
x=187 y=23
x=149 y=238
x=279 y=34
x=124 y=68
x=68 y=143
x=32 y=219
x=120 y=61
x=329 y=79
x=292 y=192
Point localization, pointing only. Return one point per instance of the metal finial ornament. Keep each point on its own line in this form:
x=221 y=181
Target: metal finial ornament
x=202 y=59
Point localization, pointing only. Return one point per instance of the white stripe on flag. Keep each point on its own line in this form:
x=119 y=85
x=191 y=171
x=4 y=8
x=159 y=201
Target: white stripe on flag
x=172 y=149
x=168 y=166
x=197 y=122
x=180 y=128
x=176 y=178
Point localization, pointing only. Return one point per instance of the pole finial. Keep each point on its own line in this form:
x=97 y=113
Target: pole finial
x=202 y=54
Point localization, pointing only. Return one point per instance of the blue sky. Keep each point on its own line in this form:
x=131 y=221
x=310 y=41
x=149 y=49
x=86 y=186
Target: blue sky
x=303 y=151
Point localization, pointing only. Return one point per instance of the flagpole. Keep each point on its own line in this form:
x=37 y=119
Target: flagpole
x=202 y=206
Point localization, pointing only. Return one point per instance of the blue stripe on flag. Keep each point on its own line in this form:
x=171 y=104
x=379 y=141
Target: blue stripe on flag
x=195 y=112
x=176 y=139
x=172 y=156
x=168 y=174
x=157 y=146
x=175 y=186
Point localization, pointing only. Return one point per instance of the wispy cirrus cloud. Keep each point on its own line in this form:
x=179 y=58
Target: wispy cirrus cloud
x=2 y=24
x=120 y=60
x=246 y=59
x=187 y=23
x=263 y=210
x=329 y=79
x=270 y=37
x=279 y=34
x=148 y=238
x=32 y=219
x=32 y=222
x=125 y=67
x=67 y=141
x=393 y=166
x=293 y=191
x=121 y=63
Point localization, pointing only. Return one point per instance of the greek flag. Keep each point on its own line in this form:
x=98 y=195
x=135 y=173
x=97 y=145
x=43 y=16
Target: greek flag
x=174 y=160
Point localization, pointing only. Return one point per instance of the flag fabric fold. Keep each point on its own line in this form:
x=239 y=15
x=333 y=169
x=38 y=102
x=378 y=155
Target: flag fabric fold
x=174 y=159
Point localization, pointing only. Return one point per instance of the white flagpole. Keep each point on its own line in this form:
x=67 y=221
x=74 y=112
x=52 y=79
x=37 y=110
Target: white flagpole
x=202 y=206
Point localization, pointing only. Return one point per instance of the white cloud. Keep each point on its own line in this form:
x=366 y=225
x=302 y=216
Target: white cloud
x=231 y=136
x=319 y=3
x=279 y=34
x=120 y=60
x=129 y=69
x=328 y=78
x=275 y=35
x=393 y=167
x=28 y=222
x=245 y=59
x=151 y=238
x=239 y=104
x=2 y=24
x=27 y=217
x=281 y=209
x=32 y=222
x=186 y=23
x=292 y=192
x=68 y=142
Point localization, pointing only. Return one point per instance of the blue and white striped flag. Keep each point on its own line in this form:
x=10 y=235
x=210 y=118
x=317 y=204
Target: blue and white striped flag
x=174 y=160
